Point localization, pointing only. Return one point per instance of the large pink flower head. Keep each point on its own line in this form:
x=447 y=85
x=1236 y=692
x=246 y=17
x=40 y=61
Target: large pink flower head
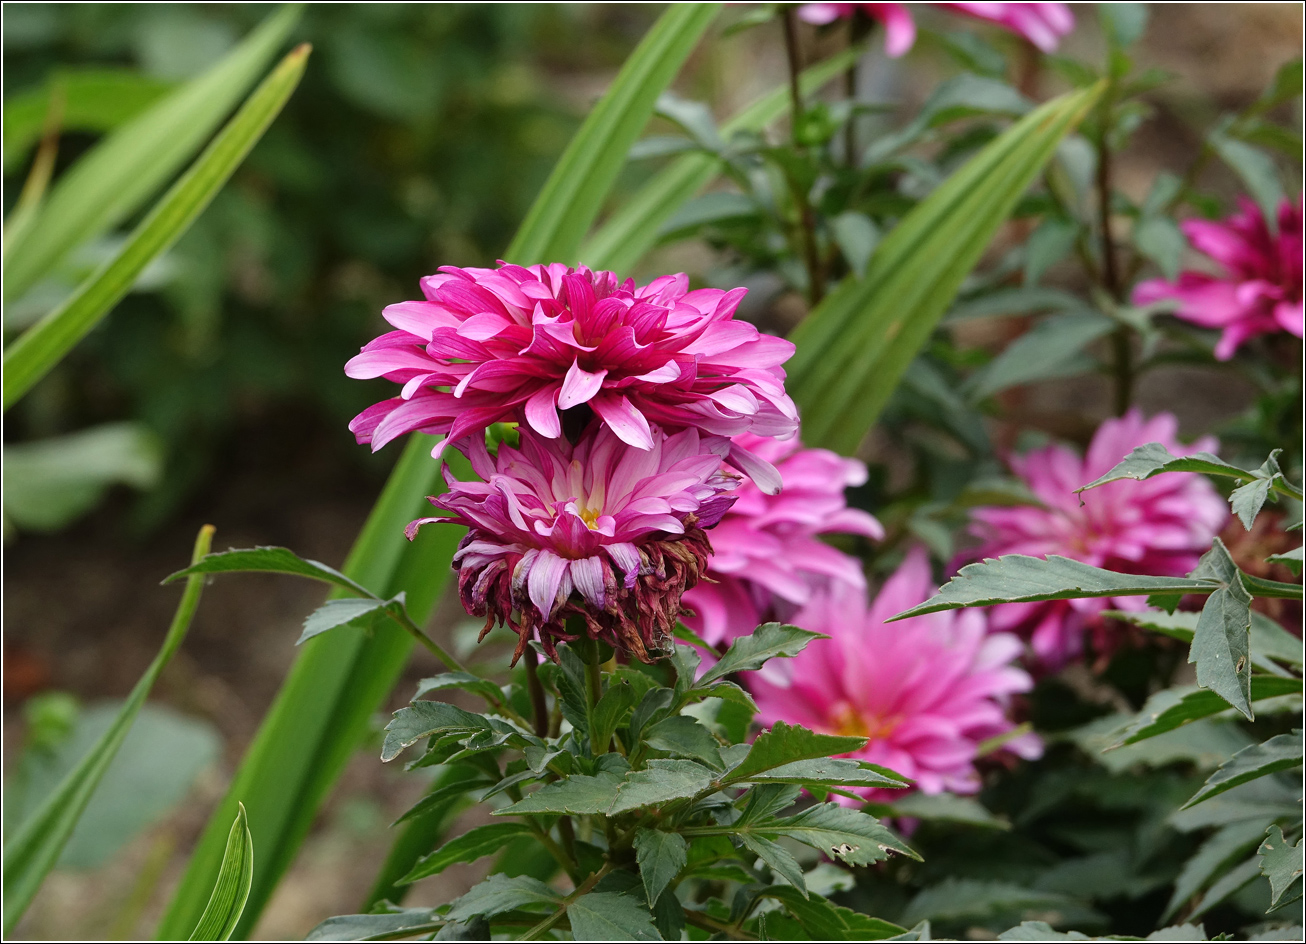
x=595 y=530
x=767 y=558
x=1160 y=526
x=926 y=690
x=1260 y=289
x=512 y=343
x=1043 y=24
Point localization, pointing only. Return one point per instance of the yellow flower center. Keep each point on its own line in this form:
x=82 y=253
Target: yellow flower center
x=590 y=517
x=846 y=720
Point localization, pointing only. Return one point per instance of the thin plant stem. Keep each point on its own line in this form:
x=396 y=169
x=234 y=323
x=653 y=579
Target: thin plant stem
x=1121 y=346
x=807 y=219
x=539 y=707
x=583 y=888
x=700 y=920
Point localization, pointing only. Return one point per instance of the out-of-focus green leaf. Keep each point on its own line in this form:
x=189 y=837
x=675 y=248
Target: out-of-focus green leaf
x=962 y=96
x=574 y=192
x=92 y=99
x=854 y=347
x=1159 y=239
x=1052 y=348
x=1237 y=877
x=1049 y=244
x=33 y=849
x=1123 y=23
x=1281 y=752
x=633 y=229
x=957 y=899
x=50 y=482
x=1290 y=559
x=948 y=807
x=222 y=913
x=41 y=346
x=1282 y=864
x=1215 y=853
x=1256 y=169
x=119 y=175
x=1172 y=708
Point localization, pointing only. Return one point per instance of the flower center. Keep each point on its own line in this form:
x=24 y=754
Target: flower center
x=847 y=720
x=590 y=517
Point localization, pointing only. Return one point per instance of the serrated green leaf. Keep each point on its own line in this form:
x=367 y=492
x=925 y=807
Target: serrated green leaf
x=272 y=560
x=684 y=736
x=577 y=794
x=1153 y=459
x=227 y=902
x=753 y=651
x=1015 y=578
x=34 y=848
x=44 y=344
x=449 y=786
x=1172 y=708
x=425 y=719
x=498 y=894
x=1282 y=863
x=333 y=614
x=825 y=771
x=464 y=681
x=115 y=179
x=840 y=832
x=611 y=916
x=1248 y=500
x=371 y=927
x=663 y=780
x=1228 y=843
x=1222 y=640
x=783 y=744
x=608 y=712
x=855 y=346
x=823 y=920
x=1281 y=752
x=470 y=846
x=777 y=859
x=1291 y=559
x=661 y=856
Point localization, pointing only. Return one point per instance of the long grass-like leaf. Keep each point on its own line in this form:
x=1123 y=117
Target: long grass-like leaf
x=42 y=345
x=321 y=713
x=115 y=179
x=632 y=230
x=854 y=347
x=35 y=847
x=223 y=911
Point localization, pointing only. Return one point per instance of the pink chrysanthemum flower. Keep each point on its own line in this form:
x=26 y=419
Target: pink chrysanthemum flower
x=1161 y=527
x=926 y=690
x=1043 y=24
x=767 y=559
x=1260 y=290
x=596 y=531
x=490 y=344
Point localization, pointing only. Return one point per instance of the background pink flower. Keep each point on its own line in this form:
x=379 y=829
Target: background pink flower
x=1260 y=288
x=522 y=344
x=767 y=559
x=598 y=530
x=1160 y=526
x=926 y=691
x=1043 y=24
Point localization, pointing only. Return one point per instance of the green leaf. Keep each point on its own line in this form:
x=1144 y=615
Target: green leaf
x=752 y=652
x=1291 y=559
x=1052 y=348
x=273 y=560
x=371 y=927
x=1281 y=752
x=32 y=850
x=1015 y=578
x=49 y=483
x=947 y=807
x=1052 y=241
x=662 y=781
x=610 y=916
x=854 y=347
x=1229 y=883
x=1229 y=842
x=1255 y=167
x=823 y=920
x=1153 y=459
x=785 y=743
x=837 y=831
x=684 y=736
x=351 y=611
x=1123 y=23
x=470 y=846
x=1222 y=640
x=1171 y=708
x=423 y=719
x=1014 y=301
x=777 y=859
x=577 y=794
x=460 y=680
x=961 y=899
x=826 y=772
x=1282 y=863
x=1159 y=239
x=44 y=344
x=661 y=856
x=452 y=783
x=223 y=911
x=574 y=193
x=115 y=179
x=634 y=228
x=1271 y=643
x=499 y=893
x=608 y=712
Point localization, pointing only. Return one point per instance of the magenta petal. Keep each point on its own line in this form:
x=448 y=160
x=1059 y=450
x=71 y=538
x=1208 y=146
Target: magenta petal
x=542 y=415
x=627 y=422
x=579 y=386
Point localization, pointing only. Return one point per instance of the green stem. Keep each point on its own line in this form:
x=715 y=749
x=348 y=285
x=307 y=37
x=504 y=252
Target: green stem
x=568 y=864
x=807 y=219
x=700 y=920
x=1122 y=350
x=539 y=707
x=583 y=889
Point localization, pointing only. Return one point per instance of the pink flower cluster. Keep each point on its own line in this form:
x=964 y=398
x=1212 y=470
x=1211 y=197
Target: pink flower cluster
x=1043 y=24
x=767 y=558
x=1160 y=526
x=926 y=691
x=1260 y=289
x=625 y=398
